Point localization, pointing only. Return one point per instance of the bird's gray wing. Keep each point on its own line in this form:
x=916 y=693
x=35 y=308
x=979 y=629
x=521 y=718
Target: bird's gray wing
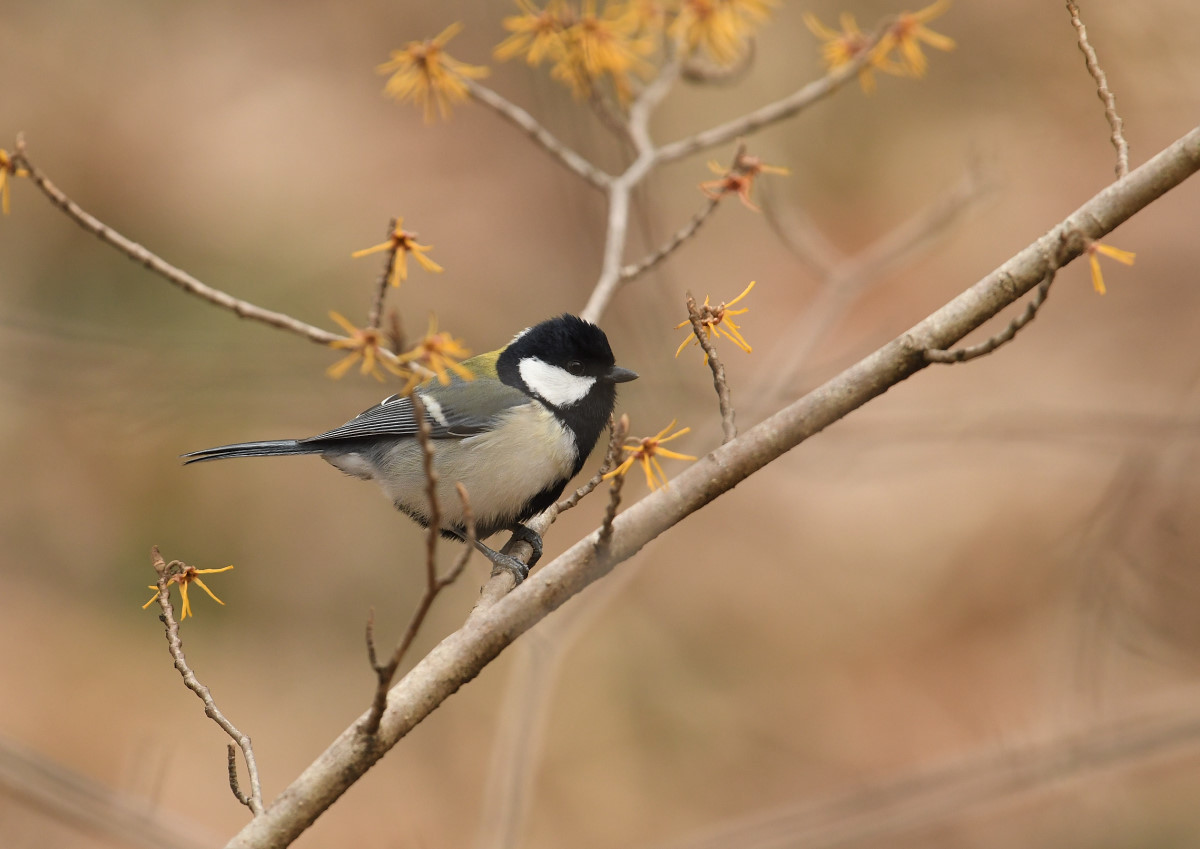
x=459 y=410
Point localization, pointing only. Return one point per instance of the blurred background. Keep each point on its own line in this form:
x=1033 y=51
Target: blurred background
x=988 y=557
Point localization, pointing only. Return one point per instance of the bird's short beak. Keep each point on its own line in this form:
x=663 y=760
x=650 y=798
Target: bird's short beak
x=616 y=374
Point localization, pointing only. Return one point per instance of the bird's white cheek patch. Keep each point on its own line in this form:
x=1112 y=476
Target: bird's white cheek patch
x=556 y=385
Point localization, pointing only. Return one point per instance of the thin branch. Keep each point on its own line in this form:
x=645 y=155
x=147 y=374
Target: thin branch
x=609 y=116
x=786 y=107
x=629 y=272
x=461 y=656
x=684 y=233
x=847 y=279
x=610 y=462
x=522 y=119
x=697 y=316
x=604 y=537
x=1102 y=91
x=621 y=188
x=375 y=316
x=234 y=784
x=434 y=584
x=175 y=645
x=177 y=276
x=970 y=352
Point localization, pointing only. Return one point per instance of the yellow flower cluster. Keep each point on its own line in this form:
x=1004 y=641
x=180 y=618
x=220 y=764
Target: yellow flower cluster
x=437 y=354
x=423 y=72
x=585 y=45
x=646 y=451
x=904 y=38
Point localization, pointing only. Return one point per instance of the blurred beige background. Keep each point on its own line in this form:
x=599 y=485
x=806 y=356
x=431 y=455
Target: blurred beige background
x=989 y=555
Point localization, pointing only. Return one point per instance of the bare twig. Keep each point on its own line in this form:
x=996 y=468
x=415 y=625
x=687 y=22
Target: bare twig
x=970 y=352
x=177 y=276
x=772 y=112
x=698 y=315
x=619 y=432
x=234 y=784
x=610 y=461
x=434 y=583
x=375 y=316
x=489 y=630
x=522 y=119
x=1102 y=91
x=621 y=188
x=847 y=279
x=681 y=235
x=175 y=645
x=610 y=513
x=610 y=117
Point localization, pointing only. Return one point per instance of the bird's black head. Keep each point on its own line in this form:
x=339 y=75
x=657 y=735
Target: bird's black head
x=567 y=364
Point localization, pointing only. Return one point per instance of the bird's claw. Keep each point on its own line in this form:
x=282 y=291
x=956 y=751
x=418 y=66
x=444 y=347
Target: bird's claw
x=520 y=533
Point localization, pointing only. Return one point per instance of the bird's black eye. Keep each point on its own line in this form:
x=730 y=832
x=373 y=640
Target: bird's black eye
x=575 y=367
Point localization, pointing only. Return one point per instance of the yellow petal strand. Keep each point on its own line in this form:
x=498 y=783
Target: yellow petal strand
x=674 y=435
x=746 y=291
x=153 y=598
x=426 y=262
x=675 y=455
x=661 y=474
x=461 y=370
x=658 y=436
x=649 y=473
x=1097 y=275
x=618 y=471
x=400 y=267
x=689 y=340
x=817 y=28
x=1126 y=257
x=374 y=249
x=734 y=337
x=204 y=587
x=342 y=366
x=187 y=607
x=932 y=11
x=343 y=321
x=935 y=39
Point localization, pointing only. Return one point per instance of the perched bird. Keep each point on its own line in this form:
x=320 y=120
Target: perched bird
x=514 y=436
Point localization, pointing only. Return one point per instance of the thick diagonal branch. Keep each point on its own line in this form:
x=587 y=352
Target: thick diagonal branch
x=462 y=655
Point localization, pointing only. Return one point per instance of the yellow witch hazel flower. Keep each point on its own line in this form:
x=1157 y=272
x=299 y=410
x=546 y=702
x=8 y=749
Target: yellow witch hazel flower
x=739 y=179
x=841 y=48
x=439 y=353
x=909 y=33
x=646 y=451
x=1093 y=248
x=906 y=35
x=423 y=72
x=719 y=27
x=716 y=321
x=402 y=243
x=366 y=345
x=584 y=45
x=536 y=33
x=184 y=576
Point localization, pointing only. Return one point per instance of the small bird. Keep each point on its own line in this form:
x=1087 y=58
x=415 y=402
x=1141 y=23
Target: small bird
x=513 y=436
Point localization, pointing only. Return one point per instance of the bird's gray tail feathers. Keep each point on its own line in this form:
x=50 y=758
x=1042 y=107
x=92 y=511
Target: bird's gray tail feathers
x=273 y=448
